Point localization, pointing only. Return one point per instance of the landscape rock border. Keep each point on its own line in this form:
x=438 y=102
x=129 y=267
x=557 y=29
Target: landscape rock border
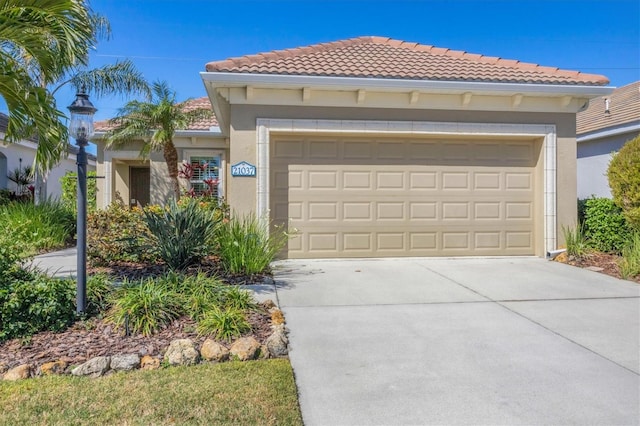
x=180 y=352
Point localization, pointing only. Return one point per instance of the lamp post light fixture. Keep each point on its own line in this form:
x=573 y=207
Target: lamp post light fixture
x=81 y=128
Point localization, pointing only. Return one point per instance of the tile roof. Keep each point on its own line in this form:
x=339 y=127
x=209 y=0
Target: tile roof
x=201 y=124
x=624 y=108
x=380 y=57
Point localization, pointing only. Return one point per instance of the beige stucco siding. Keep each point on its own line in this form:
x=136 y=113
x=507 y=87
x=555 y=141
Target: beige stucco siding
x=114 y=164
x=242 y=191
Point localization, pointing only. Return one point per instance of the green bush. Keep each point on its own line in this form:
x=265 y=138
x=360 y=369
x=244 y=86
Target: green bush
x=200 y=292
x=233 y=297
x=145 y=307
x=33 y=305
x=69 y=184
x=99 y=292
x=605 y=226
x=5 y=197
x=118 y=234
x=576 y=241
x=245 y=246
x=46 y=226
x=224 y=324
x=182 y=234
x=630 y=263
x=624 y=180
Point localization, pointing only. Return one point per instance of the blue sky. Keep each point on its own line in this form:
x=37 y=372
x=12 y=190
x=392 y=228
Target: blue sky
x=173 y=39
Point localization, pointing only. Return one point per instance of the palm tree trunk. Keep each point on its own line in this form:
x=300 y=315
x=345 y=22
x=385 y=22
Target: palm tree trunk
x=171 y=158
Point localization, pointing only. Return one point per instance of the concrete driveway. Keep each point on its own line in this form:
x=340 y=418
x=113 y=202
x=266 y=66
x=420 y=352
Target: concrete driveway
x=461 y=341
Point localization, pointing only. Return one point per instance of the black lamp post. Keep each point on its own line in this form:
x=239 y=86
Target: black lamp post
x=81 y=128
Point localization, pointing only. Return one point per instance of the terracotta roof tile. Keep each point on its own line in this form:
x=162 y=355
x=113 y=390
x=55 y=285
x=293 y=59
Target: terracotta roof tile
x=624 y=108
x=202 y=124
x=380 y=57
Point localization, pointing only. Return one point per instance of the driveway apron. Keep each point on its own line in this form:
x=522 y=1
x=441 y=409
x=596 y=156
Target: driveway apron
x=461 y=341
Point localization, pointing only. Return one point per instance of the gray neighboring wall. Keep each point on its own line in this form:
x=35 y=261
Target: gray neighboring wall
x=602 y=129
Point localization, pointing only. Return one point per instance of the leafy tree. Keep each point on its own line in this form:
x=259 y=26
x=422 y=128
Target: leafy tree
x=624 y=180
x=44 y=46
x=155 y=123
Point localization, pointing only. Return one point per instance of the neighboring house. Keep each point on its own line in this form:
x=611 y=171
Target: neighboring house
x=372 y=147
x=603 y=128
x=22 y=154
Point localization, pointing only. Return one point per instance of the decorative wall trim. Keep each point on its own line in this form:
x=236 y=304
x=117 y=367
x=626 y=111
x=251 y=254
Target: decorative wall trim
x=266 y=126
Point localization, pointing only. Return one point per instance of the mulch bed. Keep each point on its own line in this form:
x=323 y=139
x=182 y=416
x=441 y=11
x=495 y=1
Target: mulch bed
x=608 y=263
x=94 y=337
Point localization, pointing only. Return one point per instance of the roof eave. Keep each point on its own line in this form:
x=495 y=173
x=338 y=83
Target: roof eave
x=607 y=132
x=231 y=79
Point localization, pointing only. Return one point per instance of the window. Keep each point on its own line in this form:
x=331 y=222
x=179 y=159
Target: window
x=204 y=175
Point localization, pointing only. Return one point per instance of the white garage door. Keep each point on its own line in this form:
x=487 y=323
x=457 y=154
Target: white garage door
x=386 y=197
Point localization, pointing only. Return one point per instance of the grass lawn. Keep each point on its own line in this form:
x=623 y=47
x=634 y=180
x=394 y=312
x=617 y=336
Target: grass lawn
x=259 y=392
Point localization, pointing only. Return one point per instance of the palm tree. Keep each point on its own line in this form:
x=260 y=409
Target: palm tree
x=51 y=36
x=45 y=44
x=155 y=123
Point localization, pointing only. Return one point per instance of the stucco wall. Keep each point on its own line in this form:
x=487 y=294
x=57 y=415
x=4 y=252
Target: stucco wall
x=51 y=185
x=593 y=161
x=160 y=187
x=242 y=191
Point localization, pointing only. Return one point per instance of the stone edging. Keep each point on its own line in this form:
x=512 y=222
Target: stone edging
x=179 y=352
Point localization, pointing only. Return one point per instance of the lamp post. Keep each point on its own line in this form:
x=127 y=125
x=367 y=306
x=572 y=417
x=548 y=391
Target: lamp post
x=81 y=128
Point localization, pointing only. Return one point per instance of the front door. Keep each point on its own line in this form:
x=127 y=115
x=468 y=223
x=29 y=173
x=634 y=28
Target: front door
x=139 y=182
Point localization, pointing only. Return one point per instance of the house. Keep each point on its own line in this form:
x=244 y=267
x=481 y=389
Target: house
x=603 y=128
x=374 y=147
x=21 y=154
x=133 y=180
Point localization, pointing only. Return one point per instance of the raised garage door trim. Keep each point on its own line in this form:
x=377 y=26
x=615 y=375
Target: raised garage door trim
x=542 y=140
x=389 y=196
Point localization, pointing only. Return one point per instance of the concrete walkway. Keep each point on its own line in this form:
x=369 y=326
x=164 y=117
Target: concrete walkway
x=61 y=263
x=461 y=341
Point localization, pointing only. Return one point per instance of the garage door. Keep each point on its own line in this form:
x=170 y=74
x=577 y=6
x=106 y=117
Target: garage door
x=387 y=197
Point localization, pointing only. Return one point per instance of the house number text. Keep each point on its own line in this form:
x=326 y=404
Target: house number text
x=243 y=169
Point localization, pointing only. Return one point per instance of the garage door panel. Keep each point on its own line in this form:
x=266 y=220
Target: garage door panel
x=404 y=197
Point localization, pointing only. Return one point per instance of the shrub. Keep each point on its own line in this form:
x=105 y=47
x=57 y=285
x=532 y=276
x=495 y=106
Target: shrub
x=199 y=292
x=46 y=226
x=575 y=240
x=605 y=226
x=182 y=233
x=224 y=324
x=5 y=197
x=118 y=234
x=630 y=263
x=145 y=307
x=246 y=247
x=33 y=305
x=99 y=292
x=69 y=184
x=624 y=180
x=236 y=298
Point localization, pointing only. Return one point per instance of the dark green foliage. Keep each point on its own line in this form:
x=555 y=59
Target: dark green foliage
x=69 y=183
x=37 y=304
x=118 y=233
x=224 y=324
x=145 y=307
x=182 y=234
x=46 y=226
x=5 y=197
x=582 y=205
x=99 y=292
x=624 y=180
x=605 y=226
